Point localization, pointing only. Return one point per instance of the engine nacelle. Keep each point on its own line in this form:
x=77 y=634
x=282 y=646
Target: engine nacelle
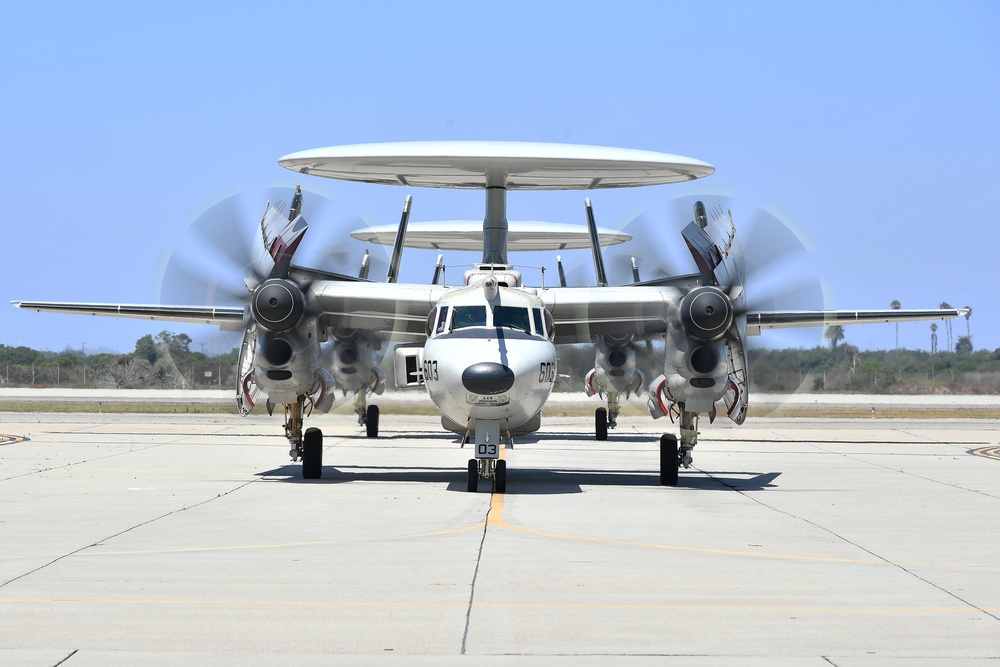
x=614 y=370
x=352 y=361
x=695 y=371
x=285 y=363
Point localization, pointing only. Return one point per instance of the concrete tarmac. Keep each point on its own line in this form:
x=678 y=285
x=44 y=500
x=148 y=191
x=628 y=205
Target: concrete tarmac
x=155 y=540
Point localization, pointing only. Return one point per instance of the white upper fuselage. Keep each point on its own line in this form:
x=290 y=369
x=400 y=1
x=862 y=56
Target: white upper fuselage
x=488 y=355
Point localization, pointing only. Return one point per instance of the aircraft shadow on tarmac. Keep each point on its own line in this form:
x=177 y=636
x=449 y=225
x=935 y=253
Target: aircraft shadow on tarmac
x=529 y=481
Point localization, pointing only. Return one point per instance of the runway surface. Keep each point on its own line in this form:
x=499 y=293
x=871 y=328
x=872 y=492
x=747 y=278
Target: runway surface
x=187 y=539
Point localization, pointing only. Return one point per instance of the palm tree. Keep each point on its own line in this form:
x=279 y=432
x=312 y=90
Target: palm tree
x=834 y=334
x=933 y=338
x=968 y=314
x=896 y=305
x=947 y=324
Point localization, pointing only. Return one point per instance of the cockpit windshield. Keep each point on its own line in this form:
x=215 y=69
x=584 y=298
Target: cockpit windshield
x=514 y=317
x=520 y=318
x=468 y=316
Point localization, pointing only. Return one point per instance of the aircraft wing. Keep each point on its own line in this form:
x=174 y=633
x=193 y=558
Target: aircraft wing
x=391 y=310
x=230 y=319
x=581 y=313
x=789 y=319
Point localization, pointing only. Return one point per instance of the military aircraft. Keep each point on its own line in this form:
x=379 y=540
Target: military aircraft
x=485 y=350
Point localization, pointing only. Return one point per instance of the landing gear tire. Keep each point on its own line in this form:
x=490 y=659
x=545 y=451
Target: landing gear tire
x=312 y=454
x=601 y=423
x=500 y=477
x=473 y=475
x=371 y=421
x=668 y=460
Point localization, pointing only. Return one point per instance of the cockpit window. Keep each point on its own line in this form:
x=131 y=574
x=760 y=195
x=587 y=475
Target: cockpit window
x=550 y=326
x=468 y=316
x=512 y=316
x=442 y=318
x=536 y=316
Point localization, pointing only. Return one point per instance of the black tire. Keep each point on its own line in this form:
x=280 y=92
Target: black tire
x=668 y=460
x=601 y=423
x=312 y=454
x=473 y=475
x=371 y=421
x=500 y=478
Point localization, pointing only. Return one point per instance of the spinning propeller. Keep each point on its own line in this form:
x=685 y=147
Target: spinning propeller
x=234 y=257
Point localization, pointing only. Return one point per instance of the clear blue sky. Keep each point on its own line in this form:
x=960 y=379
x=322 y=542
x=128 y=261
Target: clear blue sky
x=870 y=128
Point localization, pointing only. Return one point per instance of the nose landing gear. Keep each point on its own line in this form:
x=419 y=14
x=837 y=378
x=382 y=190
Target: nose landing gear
x=488 y=464
x=495 y=469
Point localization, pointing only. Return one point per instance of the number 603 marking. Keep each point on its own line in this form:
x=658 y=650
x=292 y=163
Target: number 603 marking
x=547 y=371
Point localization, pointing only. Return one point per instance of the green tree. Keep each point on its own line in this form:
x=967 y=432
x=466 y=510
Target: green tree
x=964 y=345
x=145 y=348
x=177 y=345
x=834 y=334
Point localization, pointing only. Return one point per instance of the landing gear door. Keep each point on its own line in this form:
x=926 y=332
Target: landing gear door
x=246 y=384
x=736 y=396
x=488 y=442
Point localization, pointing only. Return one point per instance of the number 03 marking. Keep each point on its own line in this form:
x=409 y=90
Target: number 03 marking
x=487 y=450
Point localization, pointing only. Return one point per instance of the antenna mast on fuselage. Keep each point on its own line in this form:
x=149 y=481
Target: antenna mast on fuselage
x=495 y=221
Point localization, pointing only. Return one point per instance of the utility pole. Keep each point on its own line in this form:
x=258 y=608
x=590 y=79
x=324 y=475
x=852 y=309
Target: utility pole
x=84 y=362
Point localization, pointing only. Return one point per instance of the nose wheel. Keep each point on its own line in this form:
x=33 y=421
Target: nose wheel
x=495 y=469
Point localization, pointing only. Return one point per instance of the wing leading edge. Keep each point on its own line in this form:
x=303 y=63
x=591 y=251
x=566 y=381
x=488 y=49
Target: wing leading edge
x=790 y=319
x=580 y=314
x=230 y=319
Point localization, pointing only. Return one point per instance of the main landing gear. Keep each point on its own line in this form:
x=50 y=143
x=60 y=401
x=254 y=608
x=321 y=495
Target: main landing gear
x=607 y=418
x=306 y=447
x=367 y=414
x=675 y=455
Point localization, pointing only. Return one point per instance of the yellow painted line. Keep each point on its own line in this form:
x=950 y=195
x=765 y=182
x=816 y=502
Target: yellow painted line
x=496 y=519
x=500 y=523
x=492 y=605
x=283 y=545
x=988 y=452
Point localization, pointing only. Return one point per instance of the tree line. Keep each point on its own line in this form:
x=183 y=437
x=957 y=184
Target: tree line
x=166 y=361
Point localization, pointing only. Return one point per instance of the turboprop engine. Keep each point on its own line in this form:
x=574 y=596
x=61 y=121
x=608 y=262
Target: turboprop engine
x=614 y=369
x=696 y=367
x=351 y=358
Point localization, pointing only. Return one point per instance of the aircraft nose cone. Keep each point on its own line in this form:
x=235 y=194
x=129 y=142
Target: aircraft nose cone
x=488 y=378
